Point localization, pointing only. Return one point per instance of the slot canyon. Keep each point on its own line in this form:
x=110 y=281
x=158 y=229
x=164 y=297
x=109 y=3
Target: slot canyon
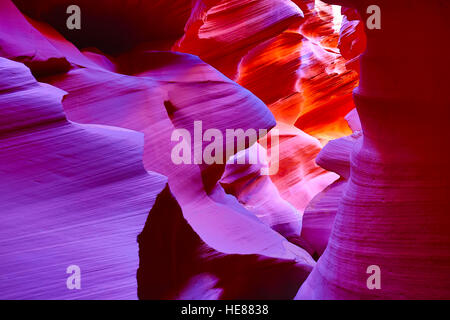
x=350 y=174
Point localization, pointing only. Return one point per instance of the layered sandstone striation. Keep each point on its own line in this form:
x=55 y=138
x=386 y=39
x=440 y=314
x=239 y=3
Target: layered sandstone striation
x=395 y=209
x=70 y=194
x=88 y=147
x=157 y=93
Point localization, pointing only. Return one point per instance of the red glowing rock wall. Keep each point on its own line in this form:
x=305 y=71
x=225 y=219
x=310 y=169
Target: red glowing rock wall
x=394 y=212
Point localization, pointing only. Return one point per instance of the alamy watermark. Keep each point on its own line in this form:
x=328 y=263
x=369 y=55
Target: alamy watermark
x=74 y=280
x=214 y=146
x=374 y=20
x=74 y=20
x=374 y=280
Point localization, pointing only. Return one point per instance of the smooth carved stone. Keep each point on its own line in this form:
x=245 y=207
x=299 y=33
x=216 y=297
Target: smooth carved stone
x=353 y=121
x=70 y=194
x=326 y=86
x=319 y=215
x=175 y=263
x=41 y=48
x=352 y=41
x=302 y=77
x=70 y=52
x=166 y=91
x=182 y=89
x=222 y=32
x=278 y=58
x=19 y=41
x=299 y=178
x=318 y=25
x=258 y=193
x=335 y=156
x=395 y=209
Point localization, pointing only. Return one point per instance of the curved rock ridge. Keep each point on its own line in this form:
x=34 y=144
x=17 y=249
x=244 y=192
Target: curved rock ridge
x=190 y=269
x=312 y=87
x=319 y=25
x=320 y=213
x=76 y=58
x=19 y=41
x=299 y=178
x=182 y=89
x=297 y=150
x=319 y=216
x=394 y=214
x=171 y=92
x=40 y=47
x=301 y=76
x=326 y=86
x=278 y=58
x=258 y=193
x=353 y=121
x=352 y=40
x=335 y=156
x=70 y=194
x=295 y=68
x=222 y=32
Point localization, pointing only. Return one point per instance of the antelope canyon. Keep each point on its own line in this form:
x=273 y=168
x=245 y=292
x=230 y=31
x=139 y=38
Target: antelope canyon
x=224 y=150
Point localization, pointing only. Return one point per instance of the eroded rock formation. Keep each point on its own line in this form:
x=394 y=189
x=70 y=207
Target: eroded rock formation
x=89 y=148
x=70 y=194
x=395 y=209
